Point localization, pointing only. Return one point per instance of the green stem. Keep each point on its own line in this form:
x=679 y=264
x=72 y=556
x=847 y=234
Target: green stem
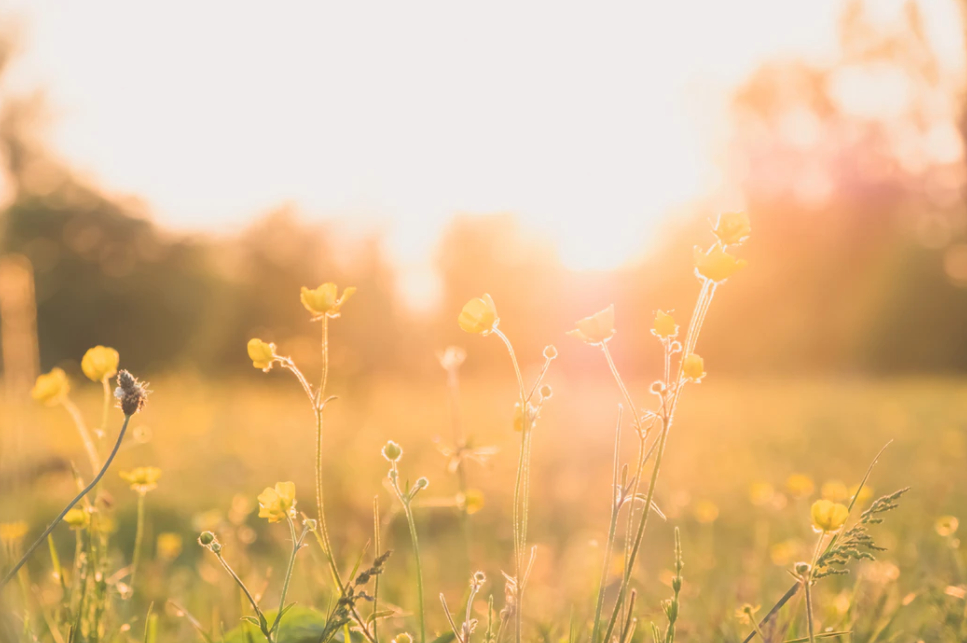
x=251 y=599
x=616 y=502
x=376 y=580
x=43 y=537
x=138 y=537
x=419 y=568
x=296 y=546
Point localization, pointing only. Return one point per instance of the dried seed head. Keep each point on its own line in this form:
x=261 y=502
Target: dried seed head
x=131 y=393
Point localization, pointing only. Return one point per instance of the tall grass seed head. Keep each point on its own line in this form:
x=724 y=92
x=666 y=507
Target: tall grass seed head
x=664 y=326
x=800 y=485
x=693 y=367
x=131 y=393
x=278 y=502
x=142 y=479
x=100 y=363
x=324 y=302
x=479 y=316
x=732 y=228
x=715 y=264
x=51 y=388
x=261 y=353
x=597 y=329
x=828 y=516
x=392 y=451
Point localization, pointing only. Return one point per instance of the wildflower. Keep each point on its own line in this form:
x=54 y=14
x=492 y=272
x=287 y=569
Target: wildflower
x=142 y=479
x=732 y=228
x=261 y=353
x=946 y=525
x=478 y=579
x=746 y=613
x=761 y=493
x=800 y=485
x=524 y=418
x=392 y=451
x=828 y=516
x=472 y=501
x=664 y=326
x=835 y=490
x=12 y=533
x=693 y=367
x=706 y=511
x=77 y=519
x=596 y=329
x=277 y=503
x=403 y=637
x=715 y=264
x=131 y=393
x=169 y=545
x=323 y=302
x=451 y=358
x=479 y=316
x=863 y=494
x=50 y=388
x=100 y=363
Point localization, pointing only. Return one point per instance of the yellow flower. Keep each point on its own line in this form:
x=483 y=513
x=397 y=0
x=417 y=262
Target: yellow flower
x=479 y=316
x=278 y=502
x=596 y=329
x=472 y=501
x=403 y=637
x=323 y=302
x=706 y=511
x=100 y=363
x=761 y=493
x=946 y=525
x=716 y=264
x=77 y=518
x=664 y=325
x=51 y=387
x=169 y=545
x=142 y=479
x=261 y=353
x=733 y=227
x=782 y=553
x=12 y=533
x=828 y=516
x=800 y=485
x=835 y=490
x=864 y=494
x=693 y=367
x=746 y=613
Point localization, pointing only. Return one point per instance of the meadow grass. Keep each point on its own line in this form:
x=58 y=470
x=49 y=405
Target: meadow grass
x=624 y=519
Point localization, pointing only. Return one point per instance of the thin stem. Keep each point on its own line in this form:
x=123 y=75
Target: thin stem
x=85 y=434
x=43 y=537
x=248 y=594
x=138 y=537
x=408 y=511
x=106 y=406
x=616 y=501
x=296 y=546
x=809 y=610
x=378 y=553
x=621 y=385
x=460 y=444
x=513 y=358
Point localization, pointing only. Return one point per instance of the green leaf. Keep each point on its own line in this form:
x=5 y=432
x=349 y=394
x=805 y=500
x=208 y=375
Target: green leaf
x=446 y=637
x=300 y=625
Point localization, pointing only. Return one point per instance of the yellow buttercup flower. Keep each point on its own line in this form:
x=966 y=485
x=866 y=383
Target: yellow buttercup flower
x=479 y=316
x=733 y=227
x=472 y=501
x=50 y=388
x=12 y=533
x=261 y=353
x=693 y=367
x=276 y=503
x=664 y=326
x=835 y=490
x=706 y=511
x=946 y=525
x=324 y=302
x=596 y=329
x=100 y=363
x=828 y=516
x=169 y=545
x=800 y=485
x=77 y=518
x=761 y=493
x=715 y=264
x=142 y=479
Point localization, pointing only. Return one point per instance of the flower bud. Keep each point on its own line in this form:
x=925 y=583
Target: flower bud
x=206 y=538
x=392 y=451
x=546 y=392
x=550 y=352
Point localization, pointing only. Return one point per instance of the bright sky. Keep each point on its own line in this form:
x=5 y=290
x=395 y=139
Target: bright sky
x=588 y=120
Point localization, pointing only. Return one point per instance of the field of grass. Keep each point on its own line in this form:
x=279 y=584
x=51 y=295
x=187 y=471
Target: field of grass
x=724 y=485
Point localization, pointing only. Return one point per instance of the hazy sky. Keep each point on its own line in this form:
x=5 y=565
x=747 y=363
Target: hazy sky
x=588 y=120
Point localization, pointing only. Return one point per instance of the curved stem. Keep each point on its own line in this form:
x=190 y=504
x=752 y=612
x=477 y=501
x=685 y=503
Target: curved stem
x=248 y=594
x=513 y=358
x=43 y=537
x=85 y=434
x=616 y=502
x=419 y=568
